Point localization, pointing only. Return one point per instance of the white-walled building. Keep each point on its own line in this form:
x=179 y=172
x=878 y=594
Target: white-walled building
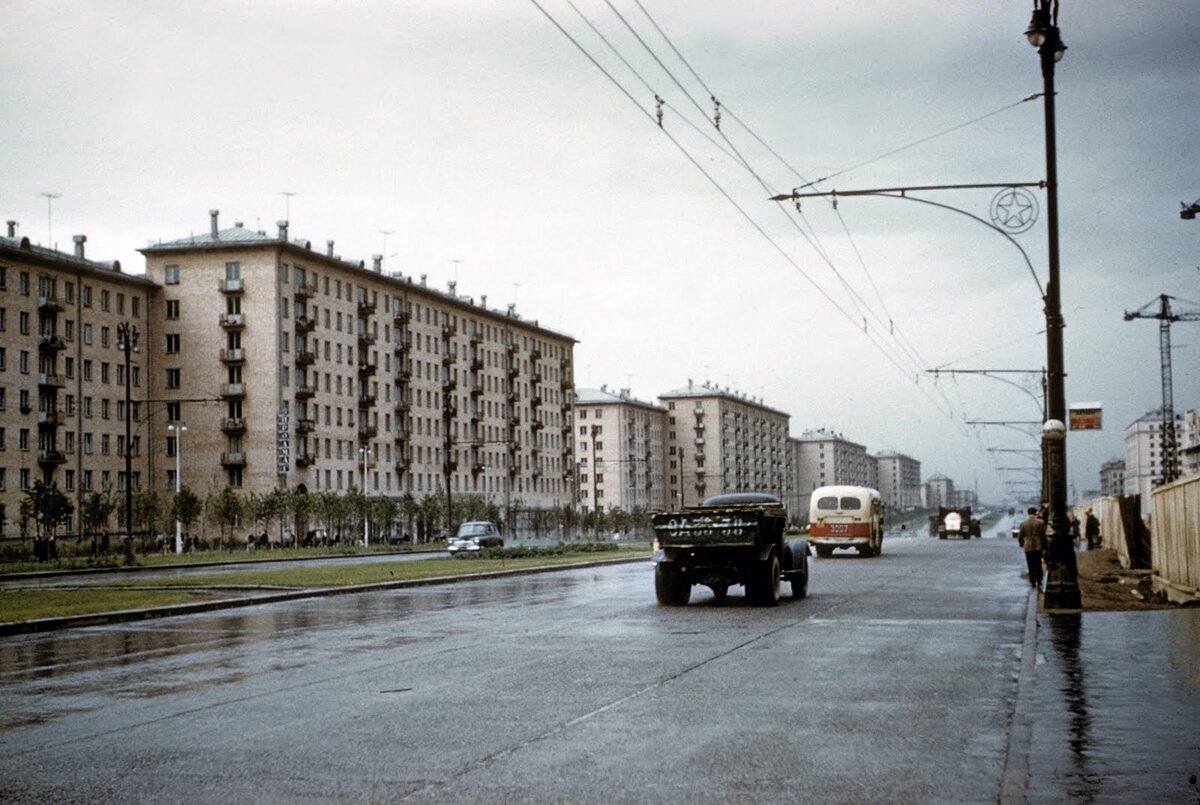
x=899 y=481
x=620 y=451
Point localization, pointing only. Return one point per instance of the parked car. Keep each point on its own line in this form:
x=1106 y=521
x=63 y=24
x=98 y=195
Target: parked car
x=474 y=536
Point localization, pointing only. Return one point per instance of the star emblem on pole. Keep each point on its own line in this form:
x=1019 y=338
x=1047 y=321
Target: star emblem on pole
x=1014 y=209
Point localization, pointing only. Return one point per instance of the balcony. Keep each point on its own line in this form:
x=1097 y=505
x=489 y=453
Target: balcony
x=305 y=392
x=513 y=369
x=535 y=354
x=449 y=331
x=535 y=401
x=50 y=343
x=305 y=459
x=476 y=334
x=449 y=386
x=51 y=457
x=49 y=380
x=48 y=305
x=449 y=359
x=304 y=324
x=305 y=357
x=304 y=291
x=367 y=369
x=230 y=286
x=233 y=459
x=366 y=339
x=48 y=420
x=700 y=442
x=403 y=463
x=305 y=425
x=403 y=407
x=233 y=426
x=233 y=390
x=233 y=321
x=404 y=369
x=403 y=346
x=366 y=401
x=476 y=362
x=566 y=384
x=535 y=380
x=476 y=414
x=514 y=396
x=536 y=425
x=365 y=308
x=233 y=355
x=450 y=465
x=450 y=409
x=366 y=432
x=401 y=318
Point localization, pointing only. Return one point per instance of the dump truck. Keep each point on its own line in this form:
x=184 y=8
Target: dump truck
x=956 y=521
x=725 y=541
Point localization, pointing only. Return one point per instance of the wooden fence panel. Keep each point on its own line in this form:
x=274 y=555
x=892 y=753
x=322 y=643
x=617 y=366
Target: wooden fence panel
x=1175 y=541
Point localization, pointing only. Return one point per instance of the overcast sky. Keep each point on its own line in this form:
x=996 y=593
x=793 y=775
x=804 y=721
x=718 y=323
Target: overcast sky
x=494 y=150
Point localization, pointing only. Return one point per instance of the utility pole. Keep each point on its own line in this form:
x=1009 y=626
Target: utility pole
x=1166 y=316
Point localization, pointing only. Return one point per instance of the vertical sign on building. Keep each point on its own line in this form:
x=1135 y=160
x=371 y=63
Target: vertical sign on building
x=283 y=440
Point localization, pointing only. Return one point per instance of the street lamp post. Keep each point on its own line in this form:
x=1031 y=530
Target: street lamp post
x=178 y=430
x=1062 y=580
x=127 y=338
x=365 y=452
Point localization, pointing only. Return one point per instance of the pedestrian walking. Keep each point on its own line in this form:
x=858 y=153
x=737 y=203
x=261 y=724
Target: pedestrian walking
x=1032 y=537
x=1092 y=530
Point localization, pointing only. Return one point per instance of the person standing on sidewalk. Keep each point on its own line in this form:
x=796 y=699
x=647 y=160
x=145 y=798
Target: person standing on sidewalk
x=1092 y=531
x=1032 y=536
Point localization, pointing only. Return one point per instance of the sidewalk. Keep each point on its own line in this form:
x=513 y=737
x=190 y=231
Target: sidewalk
x=1110 y=708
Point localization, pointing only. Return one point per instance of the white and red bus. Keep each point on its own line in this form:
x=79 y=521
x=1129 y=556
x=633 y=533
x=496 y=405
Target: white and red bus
x=846 y=517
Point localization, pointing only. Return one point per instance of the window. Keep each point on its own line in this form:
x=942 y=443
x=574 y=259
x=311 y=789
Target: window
x=87 y=295
x=24 y=283
x=171 y=275
x=233 y=271
x=24 y=320
x=120 y=303
x=104 y=297
x=87 y=334
x=172 y=308
x=172 y=343
x=173 y=411
x=104 y=336
x=173 y=378
x=24 y=362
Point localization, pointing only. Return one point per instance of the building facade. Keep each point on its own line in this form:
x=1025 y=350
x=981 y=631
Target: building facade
x=899 y=481
x=1144 y=453
x=720 y=441
x=939 y=491
x=65 y=377
x=621 y=451
x=295 y=368
x=1112 y=478
x=825 y=458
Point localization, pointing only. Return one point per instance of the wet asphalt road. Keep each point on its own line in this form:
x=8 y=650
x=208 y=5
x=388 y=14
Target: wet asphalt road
x=895 y=681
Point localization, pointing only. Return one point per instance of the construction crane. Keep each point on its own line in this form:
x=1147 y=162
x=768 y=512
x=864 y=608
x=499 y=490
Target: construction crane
x=1166 y=316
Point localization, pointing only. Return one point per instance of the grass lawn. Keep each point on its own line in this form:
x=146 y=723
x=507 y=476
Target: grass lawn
x=135 y=593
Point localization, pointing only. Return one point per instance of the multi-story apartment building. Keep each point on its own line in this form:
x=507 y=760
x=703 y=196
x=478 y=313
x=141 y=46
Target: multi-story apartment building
x=939 y=491
x=65 y=376
x=825 y=458
x=295 y=368
x=1112 y=478
x=1189 y=443
x=899 y=481
x=719 y=441
x=1144 y=453
x=620 y=451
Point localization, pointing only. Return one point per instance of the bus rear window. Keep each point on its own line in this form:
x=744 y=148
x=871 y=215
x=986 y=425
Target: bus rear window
x=827 y=504
x=851 y=504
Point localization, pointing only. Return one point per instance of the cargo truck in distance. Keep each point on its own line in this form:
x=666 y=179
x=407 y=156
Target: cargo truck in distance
x=725 y=541
x=955 y=521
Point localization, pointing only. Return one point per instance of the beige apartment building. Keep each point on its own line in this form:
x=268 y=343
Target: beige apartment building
x=824 y=458
x=63 y=376
x=720 y=441
x=295 y=368
x=899 y=481
x=621 y=451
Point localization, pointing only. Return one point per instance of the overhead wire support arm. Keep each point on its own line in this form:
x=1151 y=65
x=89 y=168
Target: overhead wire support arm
x=902 y=193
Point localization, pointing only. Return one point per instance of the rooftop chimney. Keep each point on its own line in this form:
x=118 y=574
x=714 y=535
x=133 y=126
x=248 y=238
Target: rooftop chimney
x=213 y=215
x=423 y=280
x=377 y=259
x=12 y=229
x=483 y=301
x=453 y=285
x=283 y=225
x=329 y=245
x=238 y=224
x=79 y=241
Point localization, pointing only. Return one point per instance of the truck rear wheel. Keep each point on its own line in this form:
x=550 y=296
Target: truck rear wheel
x=670 y=586
x=763 y=585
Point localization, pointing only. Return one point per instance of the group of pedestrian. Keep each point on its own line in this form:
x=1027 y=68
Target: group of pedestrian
x=1032 y=538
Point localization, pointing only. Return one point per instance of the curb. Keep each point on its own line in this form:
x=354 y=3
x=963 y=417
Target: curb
x=1014 y=781
x=130 y=615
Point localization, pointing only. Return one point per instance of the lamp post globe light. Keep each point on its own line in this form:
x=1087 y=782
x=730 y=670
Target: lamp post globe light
x=1062 y=579
x=178 y=429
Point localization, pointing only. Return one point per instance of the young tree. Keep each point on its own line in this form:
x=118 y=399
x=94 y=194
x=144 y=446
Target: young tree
x=148 y=509
x=94 y=514
x=225 y=512
x=186 y=507
x=47 y=506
